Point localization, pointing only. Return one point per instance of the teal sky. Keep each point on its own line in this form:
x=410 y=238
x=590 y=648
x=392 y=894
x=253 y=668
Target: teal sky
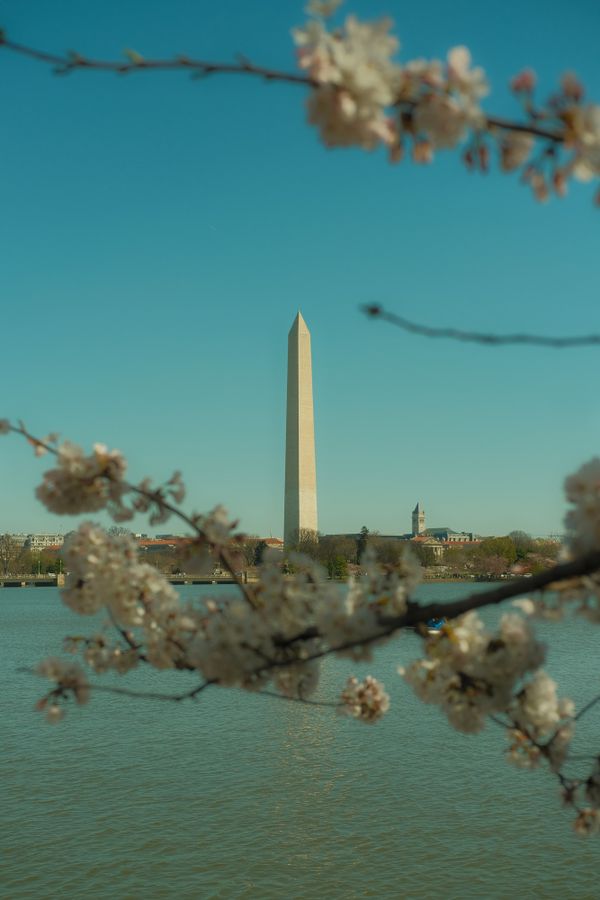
x=158 y=236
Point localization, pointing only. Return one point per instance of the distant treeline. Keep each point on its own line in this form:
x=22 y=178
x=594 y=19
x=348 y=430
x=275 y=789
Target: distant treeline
x=339 y=555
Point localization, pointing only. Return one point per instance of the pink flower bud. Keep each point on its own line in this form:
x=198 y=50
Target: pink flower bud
x=524 y=82
x=422 y=152
x=396 y=152
x=484 y=157
x=559 y=182
x=469 y=159
x=572 y=88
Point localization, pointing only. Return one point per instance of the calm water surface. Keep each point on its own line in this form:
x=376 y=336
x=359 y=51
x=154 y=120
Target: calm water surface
x=241 y=796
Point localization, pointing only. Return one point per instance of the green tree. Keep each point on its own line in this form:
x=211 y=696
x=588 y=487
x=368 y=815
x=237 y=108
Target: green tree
x=425 y=555
x=389 y=552
x=523 y=543
x=334 y=545
x=500 y=546
x=337 y=567
x=259 y=552
x=249 y=548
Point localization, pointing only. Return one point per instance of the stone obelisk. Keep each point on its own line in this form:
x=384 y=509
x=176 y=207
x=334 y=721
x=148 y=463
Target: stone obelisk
x=300 y=512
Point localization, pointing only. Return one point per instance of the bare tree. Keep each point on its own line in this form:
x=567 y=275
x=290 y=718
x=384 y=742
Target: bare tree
x=9 y=553
x=306 y=541
x=249 y=550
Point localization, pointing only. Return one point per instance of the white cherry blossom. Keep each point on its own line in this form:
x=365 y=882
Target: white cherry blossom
x=357 y=81
x=365 y=700
x=582 y=489
x=83 y=483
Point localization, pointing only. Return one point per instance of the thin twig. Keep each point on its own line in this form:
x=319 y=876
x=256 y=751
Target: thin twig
x=141 y=695
x=126 y=635
x=375 y=311
x=587 y=707
x=267 y=693
x=136 y=63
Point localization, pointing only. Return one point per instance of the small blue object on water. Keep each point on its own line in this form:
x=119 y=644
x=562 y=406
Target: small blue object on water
x=436 y=624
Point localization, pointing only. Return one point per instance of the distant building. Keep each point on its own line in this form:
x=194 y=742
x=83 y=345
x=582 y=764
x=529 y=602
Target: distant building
x=162 y=545
x=448 y=536
x=430 y=543
x=445 y=536
x=272 y=543
x=418 y=520
x=438 y=540
x=38 y=542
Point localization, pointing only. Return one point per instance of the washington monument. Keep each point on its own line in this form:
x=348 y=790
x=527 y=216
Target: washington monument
x=300 y=512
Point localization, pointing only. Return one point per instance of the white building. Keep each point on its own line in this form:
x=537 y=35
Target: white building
x=37 y=542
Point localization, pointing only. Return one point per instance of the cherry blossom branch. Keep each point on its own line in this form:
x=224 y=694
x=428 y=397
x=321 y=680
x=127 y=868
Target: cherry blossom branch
x=222 y=553
x=72 y=61
x=375 y=311
x=586 y=564
x=46 y=445
x=419 y=614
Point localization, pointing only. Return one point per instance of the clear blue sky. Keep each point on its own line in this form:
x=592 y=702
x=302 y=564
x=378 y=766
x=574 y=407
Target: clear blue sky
x=158 y=235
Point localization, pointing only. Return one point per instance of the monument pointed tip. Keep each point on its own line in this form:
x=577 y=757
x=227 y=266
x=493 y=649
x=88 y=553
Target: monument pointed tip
x=299 y=324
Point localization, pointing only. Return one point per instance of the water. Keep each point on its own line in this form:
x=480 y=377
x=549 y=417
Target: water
x=241 y=796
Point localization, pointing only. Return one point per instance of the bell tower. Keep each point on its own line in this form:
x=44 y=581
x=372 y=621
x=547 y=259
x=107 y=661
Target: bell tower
x=418 y=520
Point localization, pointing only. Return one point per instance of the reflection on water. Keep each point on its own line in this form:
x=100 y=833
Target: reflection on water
x=243 y=796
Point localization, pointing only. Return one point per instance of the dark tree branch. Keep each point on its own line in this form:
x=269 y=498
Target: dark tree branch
x=583 y=565
x=375 y=311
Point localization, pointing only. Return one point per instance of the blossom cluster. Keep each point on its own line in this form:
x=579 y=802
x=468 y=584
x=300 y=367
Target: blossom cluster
x=104 y=572
x=582 y=522
x=471 y=673
x=363 y=96
x=80 y=483
x=544 y=723
x=365 y=700
x=83 y=483
x=291 y=621
x=102 y=654
x=276 y=632
x=70 y=681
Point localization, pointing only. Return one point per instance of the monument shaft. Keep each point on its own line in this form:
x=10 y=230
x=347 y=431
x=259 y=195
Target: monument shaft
x=300 y=512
